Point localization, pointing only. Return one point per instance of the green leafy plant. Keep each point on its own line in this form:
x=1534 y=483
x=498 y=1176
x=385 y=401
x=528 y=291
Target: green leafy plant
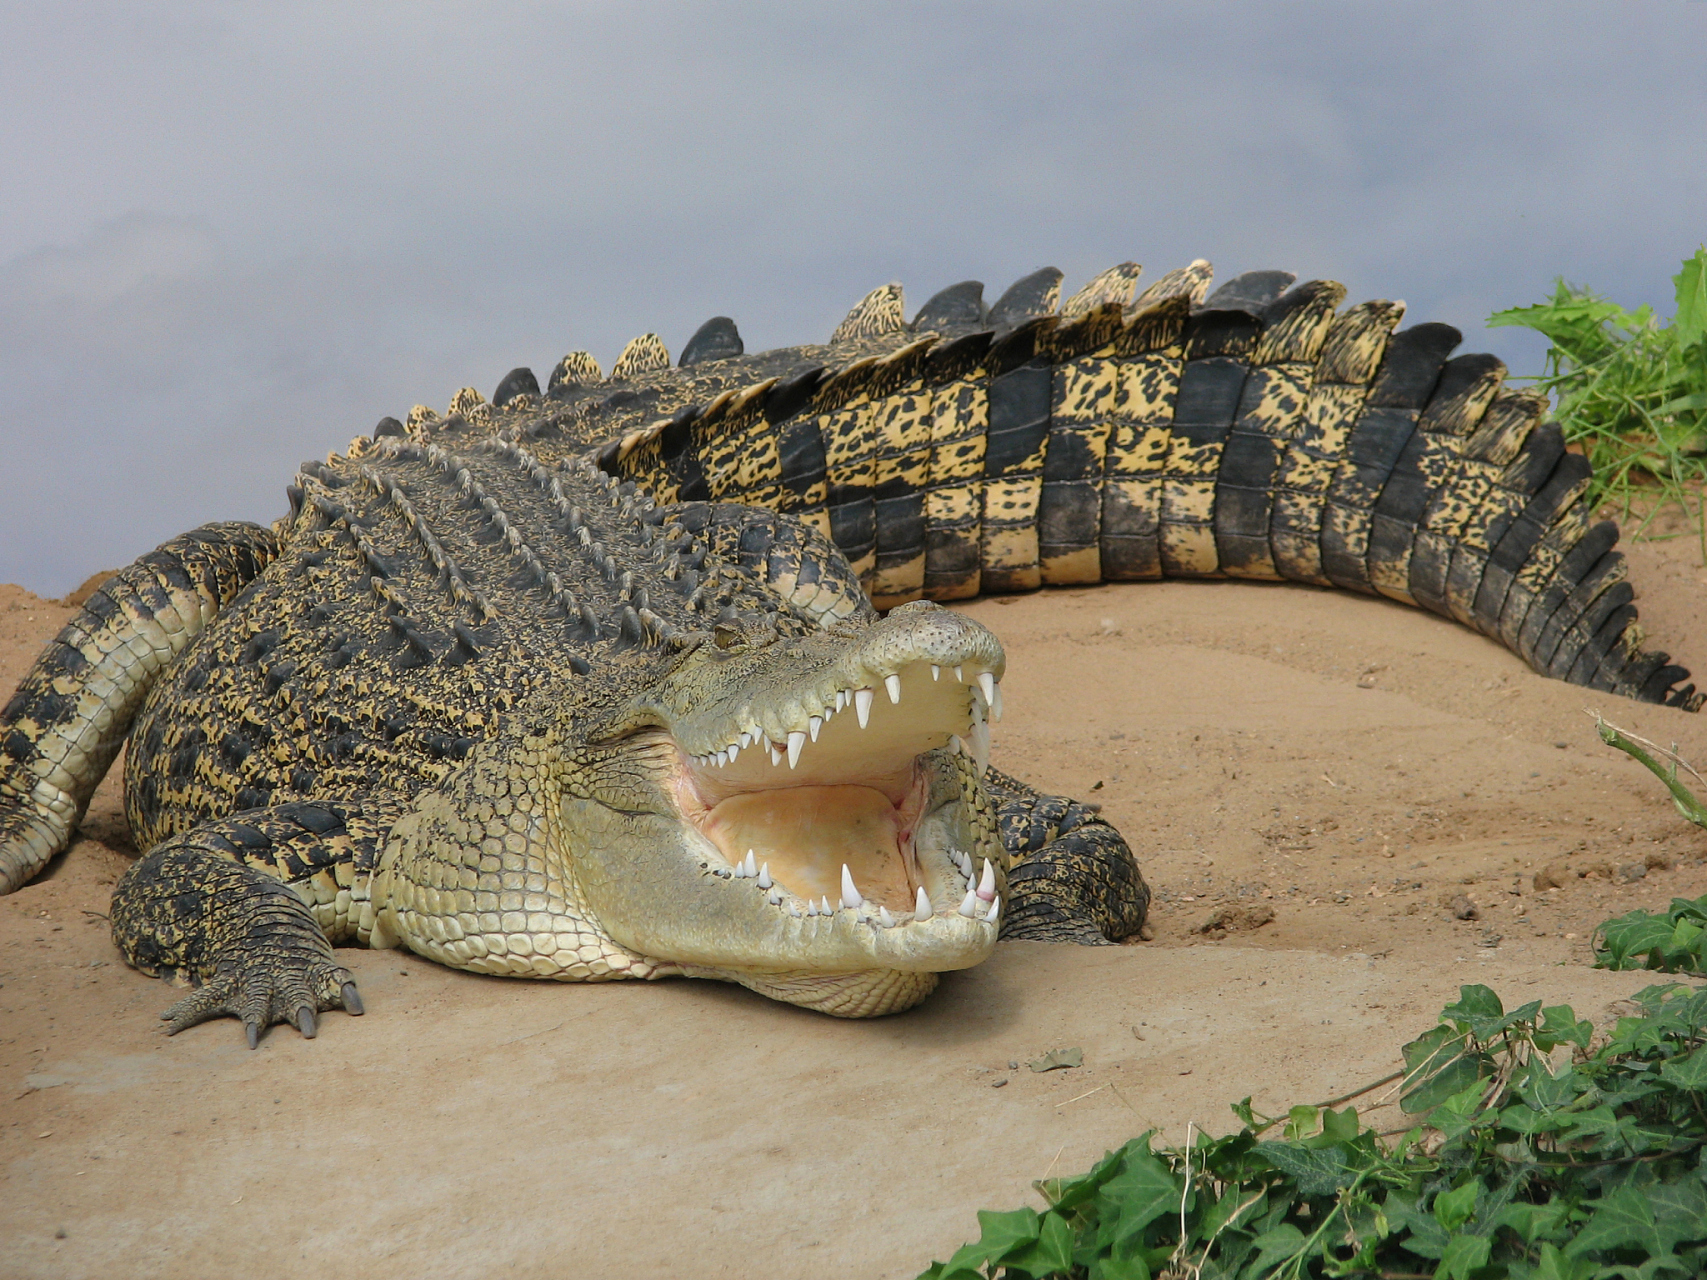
x=1673 y=941
x=1629 y=390
x=1538 y=1156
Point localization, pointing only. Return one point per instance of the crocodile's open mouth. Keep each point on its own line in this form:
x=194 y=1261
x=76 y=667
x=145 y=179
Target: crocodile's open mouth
x=822 y=835
x=837 y=814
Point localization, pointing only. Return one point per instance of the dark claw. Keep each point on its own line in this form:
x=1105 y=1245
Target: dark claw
x=305 y=1022
x=352 y=1001
x=252 y=1027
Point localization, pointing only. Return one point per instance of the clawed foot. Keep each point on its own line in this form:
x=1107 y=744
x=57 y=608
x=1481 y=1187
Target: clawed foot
x=265 y=989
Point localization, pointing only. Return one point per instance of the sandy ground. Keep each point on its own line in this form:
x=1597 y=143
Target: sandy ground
x=1348 y=764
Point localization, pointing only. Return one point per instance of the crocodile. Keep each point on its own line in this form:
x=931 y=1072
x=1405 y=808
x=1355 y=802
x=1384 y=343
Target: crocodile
x=649 y=674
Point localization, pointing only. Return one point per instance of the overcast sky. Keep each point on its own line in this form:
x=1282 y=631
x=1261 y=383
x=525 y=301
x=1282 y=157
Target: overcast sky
x=232 y=236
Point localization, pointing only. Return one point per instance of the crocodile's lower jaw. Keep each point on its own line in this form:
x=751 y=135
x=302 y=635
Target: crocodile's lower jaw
x=867 y=993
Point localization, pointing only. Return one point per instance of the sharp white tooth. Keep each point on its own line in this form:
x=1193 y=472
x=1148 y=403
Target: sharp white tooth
x=725 y=757
x=794 y=910
x=862 y=706
x=969 y=905
x=746 y=740
x=884 y=918
x=751 y=868
x=812 y=909
x=813 y=724
x=981 y=746
x=776 y=756
x=740 y=871
x=732 y=751
x=955 y=742
x=824 y=907
x=987 y=882
x=841 y=699
x=996 y=705
x=796 y=740
x=765 y=880
x=960 y=674
x=850 y=895
x=995 y=910
x=775 y=899
x=922 y=906
x=987 y=682
x=893 y=684
x=936 y=672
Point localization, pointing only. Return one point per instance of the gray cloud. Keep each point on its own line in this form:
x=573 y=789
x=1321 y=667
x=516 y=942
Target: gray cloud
x=241 y=236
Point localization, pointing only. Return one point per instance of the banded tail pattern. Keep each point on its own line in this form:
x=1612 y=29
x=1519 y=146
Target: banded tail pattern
x=1258 y=431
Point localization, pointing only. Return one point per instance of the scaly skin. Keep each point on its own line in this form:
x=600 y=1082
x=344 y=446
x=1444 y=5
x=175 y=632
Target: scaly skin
x=589 y=684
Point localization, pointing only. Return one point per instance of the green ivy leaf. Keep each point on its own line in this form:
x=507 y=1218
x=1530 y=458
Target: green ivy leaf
x=1687 y=1073
x=1237 y=1207
x=1051 y=1252
x=1337 y=1127
x=1143 y=1192
x=1070 y=1193
x=1520 y=1117
x=1475 y=1004
x=1462 y=1112
x=1627 y=938
x=1438 y=1064
x=1554 y=1265
x=1133 y=1268
x=1452 y=1209
x=1463 y=1255
x=1560 y=1025
x=1319 y=1171
x=1624 y=1219
x=1533 y=1221
x=1000 y=1233
x=1274 y=1247
x=1680 y=1210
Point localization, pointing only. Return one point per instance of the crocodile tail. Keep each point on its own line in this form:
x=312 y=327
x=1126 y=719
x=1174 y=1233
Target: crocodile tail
x=1256 y=432
x=69 y=716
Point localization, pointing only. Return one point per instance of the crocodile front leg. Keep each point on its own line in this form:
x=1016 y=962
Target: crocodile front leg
x=1071 y=876
x=247 y=909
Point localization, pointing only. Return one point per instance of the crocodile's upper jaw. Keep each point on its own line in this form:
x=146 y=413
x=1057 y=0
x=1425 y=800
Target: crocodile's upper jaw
x=817 y=831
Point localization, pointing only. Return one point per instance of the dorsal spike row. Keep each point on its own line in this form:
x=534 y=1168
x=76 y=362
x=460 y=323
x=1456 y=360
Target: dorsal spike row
x=1251 y=292
x=449 y=573
x=469 y=404
x=960 y=306
x=880 y=312
x=1030 y=296
x=645 y=354
x=716 y=339
x=1190 y=282
x=518 y=384
x=1117 y=285
x=577 y=369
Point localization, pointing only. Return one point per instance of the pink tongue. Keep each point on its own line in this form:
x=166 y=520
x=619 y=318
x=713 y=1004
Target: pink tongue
x=807 y=833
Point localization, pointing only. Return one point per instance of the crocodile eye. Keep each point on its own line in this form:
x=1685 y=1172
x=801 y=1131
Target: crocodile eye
x=728 y=635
